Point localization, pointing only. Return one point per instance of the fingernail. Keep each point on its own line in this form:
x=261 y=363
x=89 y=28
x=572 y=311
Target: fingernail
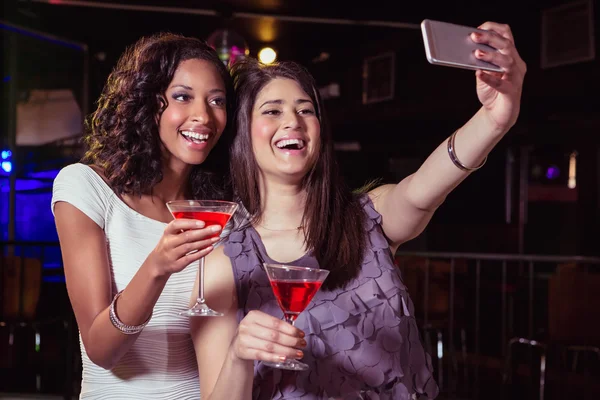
x=301 y=334
x=481 y=52
x=476 y=35
x=281 y=358
x=215 y=239
x=200 y=224
x=302 y=343
x=299 y=354
x=215 y=228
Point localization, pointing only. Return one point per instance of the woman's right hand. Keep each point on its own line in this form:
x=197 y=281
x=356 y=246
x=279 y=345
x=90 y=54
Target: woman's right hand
x=183 y=242
x=263 y=337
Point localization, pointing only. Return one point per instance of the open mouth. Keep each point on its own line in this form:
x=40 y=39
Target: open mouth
x=194 y=137
x=291 y=144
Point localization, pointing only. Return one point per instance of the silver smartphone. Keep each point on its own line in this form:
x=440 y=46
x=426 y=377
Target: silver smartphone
x=451 y=45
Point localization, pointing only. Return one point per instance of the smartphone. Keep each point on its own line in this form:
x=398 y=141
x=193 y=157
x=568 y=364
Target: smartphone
x=451 y=45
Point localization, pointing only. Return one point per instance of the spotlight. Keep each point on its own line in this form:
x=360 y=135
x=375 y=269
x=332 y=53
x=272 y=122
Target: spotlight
x=267 y=55
x=6 y=154
x=6 y=166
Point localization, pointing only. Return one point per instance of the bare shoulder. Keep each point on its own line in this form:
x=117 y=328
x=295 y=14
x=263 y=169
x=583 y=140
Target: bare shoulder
x=376 y=194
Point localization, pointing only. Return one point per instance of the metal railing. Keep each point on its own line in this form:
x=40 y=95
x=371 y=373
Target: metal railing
x=502 y=298
x=476 y=307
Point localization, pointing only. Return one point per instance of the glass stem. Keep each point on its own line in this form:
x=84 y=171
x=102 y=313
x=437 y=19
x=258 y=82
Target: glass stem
x=200 y=298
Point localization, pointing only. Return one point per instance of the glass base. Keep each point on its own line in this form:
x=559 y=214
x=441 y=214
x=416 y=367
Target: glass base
x=201 y=310
x=292 y=365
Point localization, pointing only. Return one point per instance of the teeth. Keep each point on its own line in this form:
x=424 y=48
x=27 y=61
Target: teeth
x=194 y=135
x=287 y=142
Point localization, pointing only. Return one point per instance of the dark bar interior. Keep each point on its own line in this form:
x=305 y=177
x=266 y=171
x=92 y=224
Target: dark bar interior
x=505 y=278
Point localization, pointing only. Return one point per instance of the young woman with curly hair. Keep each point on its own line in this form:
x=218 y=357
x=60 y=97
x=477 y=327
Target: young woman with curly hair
x=129 y=267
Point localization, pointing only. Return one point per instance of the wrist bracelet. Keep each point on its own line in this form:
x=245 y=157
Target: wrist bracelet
x=455 y=159
x=117 y=323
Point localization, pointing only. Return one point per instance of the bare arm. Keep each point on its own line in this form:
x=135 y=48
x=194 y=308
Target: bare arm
x=85 y=259
x=212 y=336
x=226 y=351
x=407 y=207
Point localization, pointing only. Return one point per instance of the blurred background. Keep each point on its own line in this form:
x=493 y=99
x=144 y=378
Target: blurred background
x=505 y=278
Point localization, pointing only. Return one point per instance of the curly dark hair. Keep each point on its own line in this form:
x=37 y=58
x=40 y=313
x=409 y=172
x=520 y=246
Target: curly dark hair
x=122 y=135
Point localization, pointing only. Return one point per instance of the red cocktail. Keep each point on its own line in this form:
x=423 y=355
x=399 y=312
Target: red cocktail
x=209 y=218
x=294 y=296
x=212 y=212
x=294 y=288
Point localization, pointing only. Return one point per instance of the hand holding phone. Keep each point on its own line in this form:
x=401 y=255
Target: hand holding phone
x=451 y=45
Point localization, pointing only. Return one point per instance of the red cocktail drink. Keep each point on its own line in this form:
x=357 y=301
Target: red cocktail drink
x=294 y=287
x=212 y=212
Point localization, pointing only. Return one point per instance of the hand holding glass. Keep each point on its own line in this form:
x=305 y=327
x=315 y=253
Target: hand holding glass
x=294 y=287
x=212 y=212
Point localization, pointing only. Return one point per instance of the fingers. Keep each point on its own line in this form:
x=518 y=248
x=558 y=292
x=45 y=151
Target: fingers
x=505 y=62
x=178 y=225
x=268 y=321
x=192 y=247
x=499 y=36
x=251 y=346
x=501 y=29
x=491 y=39
x=276 y=336
x=194 y=235
x=494 y=80
x=189 y=258
x=264 y=337
x=189 y=230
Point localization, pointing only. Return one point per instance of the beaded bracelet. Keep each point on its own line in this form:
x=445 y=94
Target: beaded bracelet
x=455 y=159
x=117 y=323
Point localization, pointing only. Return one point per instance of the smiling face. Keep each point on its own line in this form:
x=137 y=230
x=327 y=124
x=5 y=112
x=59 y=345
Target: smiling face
x=196 y=115
x=285 y=130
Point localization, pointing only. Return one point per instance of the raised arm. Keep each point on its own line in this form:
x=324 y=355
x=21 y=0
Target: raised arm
x=226 y=351
x=87 y=272
x=408 y=206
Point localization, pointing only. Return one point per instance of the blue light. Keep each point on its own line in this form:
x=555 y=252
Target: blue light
x=6 y=166
x=6 y=154
x=552 y=172
x=13 y=28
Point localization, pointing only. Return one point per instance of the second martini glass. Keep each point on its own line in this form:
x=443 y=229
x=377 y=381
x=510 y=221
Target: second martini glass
x=212 y=212
x=294 y=288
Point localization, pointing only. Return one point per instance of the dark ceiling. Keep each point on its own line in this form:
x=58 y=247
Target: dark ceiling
x=300 y=30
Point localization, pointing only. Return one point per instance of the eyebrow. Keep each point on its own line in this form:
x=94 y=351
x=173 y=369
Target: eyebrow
x=212 y=91
x=279 y=102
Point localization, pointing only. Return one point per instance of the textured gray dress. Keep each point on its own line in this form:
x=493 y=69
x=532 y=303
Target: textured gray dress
x=363 y=340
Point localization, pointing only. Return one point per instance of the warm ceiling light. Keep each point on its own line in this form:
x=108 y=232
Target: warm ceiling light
x=267 y=55
x=266 y=29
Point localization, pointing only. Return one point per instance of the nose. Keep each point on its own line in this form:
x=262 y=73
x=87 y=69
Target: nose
x=201 y=113
x=292 y=121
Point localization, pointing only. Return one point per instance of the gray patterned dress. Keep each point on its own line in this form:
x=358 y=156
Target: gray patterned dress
x=363 y=340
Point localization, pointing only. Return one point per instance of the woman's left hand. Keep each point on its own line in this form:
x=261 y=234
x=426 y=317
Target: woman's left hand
x=500 y=93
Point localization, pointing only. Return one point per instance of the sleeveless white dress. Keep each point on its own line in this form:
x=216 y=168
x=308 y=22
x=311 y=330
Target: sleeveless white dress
x=161 y=364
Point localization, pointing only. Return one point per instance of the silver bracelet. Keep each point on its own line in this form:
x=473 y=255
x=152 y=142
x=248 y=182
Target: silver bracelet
x=455 y=159
x=117 y=323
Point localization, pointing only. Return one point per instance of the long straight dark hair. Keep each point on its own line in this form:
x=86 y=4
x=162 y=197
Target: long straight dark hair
x=334 y=219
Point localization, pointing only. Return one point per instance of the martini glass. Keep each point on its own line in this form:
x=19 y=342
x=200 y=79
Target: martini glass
x=294 y=287
x=212 y=212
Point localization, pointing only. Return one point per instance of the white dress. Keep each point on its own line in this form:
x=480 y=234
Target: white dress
x=161 y=364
